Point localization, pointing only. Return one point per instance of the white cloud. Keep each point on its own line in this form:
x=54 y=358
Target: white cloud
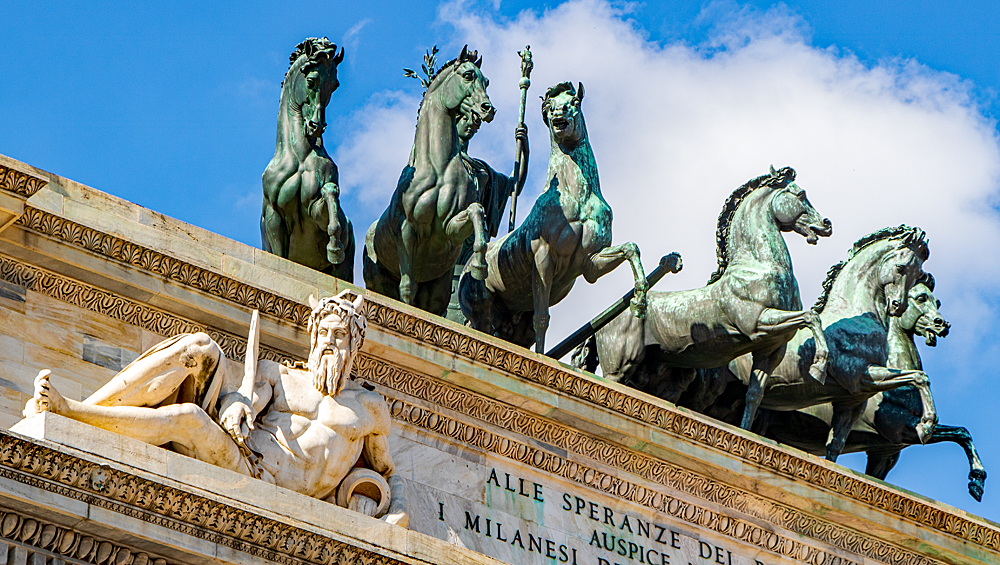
x=675 y=128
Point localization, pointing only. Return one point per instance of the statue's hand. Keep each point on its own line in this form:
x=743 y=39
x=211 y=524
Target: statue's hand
x=521 y=133
x=237 y=420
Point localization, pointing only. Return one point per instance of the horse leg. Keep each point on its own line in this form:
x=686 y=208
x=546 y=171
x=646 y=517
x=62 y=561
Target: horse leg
x=405 y=248
x=844 y=418
x=330 y=222
x=584 y=357
x=433 y=295
x=772 y=321
x=458 y=229
x=606 y=260
x=879 y=463
x=961 y=436
x=621 y=348
x=543 y=270
x=476 y=301
x=763 y=364
x=273 y=234
x=880 y=379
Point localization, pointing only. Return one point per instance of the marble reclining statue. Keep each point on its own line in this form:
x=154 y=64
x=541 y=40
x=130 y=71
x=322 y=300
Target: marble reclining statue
x=302 y=427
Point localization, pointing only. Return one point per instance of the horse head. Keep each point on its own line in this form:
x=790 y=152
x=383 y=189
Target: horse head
x=901 y=267
x=461 y=86
x=922 y=316
x=312 y=85
x=792 y=209
x=562 y=114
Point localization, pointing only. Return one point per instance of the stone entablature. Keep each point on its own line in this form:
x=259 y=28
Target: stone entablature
x=85 y=468
x=87 y=249
x=17 y=184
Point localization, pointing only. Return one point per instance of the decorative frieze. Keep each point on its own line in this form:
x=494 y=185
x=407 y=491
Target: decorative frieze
x=164 y=265
x=166 y=506
x=115 y=306
x=20 y=183
x=51 y=543
x=608 y=453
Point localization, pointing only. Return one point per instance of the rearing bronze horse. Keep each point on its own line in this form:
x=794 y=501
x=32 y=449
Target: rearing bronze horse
x=410 y=252
x=566 y=234
x=301 y=219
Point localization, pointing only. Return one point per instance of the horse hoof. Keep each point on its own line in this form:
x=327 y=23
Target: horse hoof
x=818 y=372
x=674 y=263
x=478 y=271
x=924 y=431
x=976 y=490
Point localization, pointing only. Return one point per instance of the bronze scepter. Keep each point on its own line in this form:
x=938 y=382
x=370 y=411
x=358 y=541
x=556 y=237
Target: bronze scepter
x=525 y=82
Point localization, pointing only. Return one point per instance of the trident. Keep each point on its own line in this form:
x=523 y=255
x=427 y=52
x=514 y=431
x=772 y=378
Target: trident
x=526 y=66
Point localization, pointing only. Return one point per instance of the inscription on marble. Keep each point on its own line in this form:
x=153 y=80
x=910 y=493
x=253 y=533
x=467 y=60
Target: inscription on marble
x=565 y=527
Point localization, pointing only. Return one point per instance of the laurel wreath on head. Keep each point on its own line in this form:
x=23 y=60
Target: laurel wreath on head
x=430 y=60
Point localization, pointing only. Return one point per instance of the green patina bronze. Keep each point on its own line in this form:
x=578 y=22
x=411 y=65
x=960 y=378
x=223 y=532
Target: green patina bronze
x=890 y=419
x=411 y=250
x=751 y=304
x=860 y=297
x=566 y=234
x=301 y=218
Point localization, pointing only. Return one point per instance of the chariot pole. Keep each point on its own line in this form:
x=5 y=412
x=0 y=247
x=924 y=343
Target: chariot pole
x=526 y=66
x=592 y=327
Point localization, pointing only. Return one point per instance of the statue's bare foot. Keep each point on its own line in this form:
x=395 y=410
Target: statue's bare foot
x=46 y=398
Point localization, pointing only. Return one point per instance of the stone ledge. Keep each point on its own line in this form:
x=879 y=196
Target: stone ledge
x=129 y=477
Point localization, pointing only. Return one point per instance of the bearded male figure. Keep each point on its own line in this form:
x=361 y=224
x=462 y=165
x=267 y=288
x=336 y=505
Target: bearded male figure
x=302 y=427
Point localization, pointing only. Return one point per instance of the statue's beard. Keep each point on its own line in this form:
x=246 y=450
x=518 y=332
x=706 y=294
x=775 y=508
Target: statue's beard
x=328 y=368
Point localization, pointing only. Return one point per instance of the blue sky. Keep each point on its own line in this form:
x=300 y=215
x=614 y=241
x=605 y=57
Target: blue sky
x=174 y=109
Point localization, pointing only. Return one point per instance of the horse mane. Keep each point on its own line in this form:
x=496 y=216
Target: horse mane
x=900 y=231
x=472 y=56
x=779 y=178
x=317 y=49
x=927 y=280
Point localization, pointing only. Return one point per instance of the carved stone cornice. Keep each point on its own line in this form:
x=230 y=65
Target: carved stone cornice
x=497 y=357
x=126 y=310
x=20 y=183
x=218 y=522
x=53 y=543
x=157 y=263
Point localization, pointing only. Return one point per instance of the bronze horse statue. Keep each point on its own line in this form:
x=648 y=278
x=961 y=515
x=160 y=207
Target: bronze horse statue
x=890 y=419
x=566 y=234
x=751 y=304
x=411 y=250
x=301 y=218
x=860 y=296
